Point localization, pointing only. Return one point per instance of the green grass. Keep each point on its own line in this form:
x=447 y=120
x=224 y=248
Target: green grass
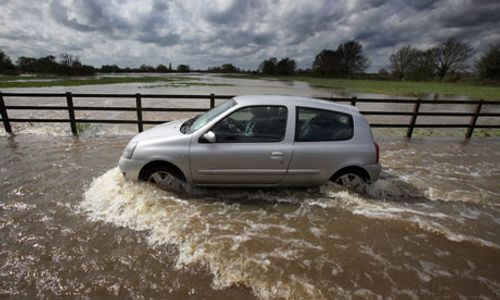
x=410 y=88
x=82 y=127
x=92 y=81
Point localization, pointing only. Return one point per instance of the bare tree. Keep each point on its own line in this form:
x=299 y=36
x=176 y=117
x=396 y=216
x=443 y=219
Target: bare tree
x=451 y=55
x=411 y=63
x=68 y=60
x=402 y=61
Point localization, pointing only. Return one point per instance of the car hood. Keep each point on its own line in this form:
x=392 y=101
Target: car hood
x=170 y=129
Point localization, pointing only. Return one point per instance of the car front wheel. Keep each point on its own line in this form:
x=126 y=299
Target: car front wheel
x=163 y=176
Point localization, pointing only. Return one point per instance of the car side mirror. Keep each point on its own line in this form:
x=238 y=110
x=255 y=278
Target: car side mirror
x=209 y=137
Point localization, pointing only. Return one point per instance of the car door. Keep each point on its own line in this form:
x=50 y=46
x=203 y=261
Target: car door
x=250 y=148
x=322 y=144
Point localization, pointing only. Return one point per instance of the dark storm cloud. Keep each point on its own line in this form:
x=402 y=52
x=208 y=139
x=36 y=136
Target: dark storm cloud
x=87 y=15
x=204 y=33
x=483 y=12
x=235 y=12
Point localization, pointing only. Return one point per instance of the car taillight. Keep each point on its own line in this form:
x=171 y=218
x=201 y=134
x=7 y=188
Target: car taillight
x=377 y=151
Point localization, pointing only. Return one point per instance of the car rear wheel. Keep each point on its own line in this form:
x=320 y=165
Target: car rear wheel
x=351 y=179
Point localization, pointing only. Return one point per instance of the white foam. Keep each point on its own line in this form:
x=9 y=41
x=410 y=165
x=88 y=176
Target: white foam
x=201 y=237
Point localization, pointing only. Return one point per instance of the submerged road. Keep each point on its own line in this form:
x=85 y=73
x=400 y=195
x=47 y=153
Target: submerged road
x=70 y=225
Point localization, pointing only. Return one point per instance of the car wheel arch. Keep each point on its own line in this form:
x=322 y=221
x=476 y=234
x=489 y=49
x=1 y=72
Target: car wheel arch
x=177 y=172
x=351 y=169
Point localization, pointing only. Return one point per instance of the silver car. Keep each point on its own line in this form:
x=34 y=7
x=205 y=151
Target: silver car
x=261 y=141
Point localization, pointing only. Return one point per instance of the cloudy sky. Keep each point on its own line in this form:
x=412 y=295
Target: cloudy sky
x=208 y=33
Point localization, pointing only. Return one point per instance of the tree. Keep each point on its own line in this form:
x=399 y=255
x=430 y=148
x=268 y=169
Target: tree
x=352 y=59
x=286 y=66
x=402 y=61
x=146 y=68
x=110 y=69
x=383 y=72
x=47 y=65
x=69 y=63
x=327 y=62
x=346 y=61
x=69 y=60
x=489 y=64
x=161 y=68
x=183 y=68
x=229 y=68
x=6 y=65
x=225 y=68
x=268 y=66
x=411 y=63
x=450 y=55
x=26 y=64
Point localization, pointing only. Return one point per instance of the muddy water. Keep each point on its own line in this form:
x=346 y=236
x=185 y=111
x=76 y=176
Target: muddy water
x=70 y=225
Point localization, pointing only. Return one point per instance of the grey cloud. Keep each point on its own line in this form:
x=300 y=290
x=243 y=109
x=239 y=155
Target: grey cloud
x=236 y=13
x=244 y=32
x=469 y=14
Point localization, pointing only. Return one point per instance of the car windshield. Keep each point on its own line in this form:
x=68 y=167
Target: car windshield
x=199 y=121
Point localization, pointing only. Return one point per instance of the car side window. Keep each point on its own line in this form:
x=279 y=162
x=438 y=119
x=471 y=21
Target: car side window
x=319 y=125
x=253 y=124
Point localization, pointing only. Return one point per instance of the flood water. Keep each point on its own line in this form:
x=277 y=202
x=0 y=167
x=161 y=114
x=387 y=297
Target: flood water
x=219 y=86
x=70 y=225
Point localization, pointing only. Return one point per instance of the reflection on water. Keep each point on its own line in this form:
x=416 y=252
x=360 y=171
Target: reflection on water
x=72 y=226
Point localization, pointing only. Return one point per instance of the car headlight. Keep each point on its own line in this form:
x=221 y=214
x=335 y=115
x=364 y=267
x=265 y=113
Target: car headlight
x=129 y=150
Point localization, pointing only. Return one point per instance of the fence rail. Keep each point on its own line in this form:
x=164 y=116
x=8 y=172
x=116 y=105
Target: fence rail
x=474 y=115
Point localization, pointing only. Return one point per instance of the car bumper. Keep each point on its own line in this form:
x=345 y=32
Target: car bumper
x=130 y=168
x=373 y=171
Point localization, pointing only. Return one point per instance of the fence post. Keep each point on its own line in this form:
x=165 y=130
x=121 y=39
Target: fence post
x=5 y=116
x=138 y=106
x=71 y=112
x=413 y=119
x=473 y=120
x=353 y=101
x=212 y=100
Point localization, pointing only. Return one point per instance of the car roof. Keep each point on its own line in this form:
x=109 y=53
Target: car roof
x=294 y=100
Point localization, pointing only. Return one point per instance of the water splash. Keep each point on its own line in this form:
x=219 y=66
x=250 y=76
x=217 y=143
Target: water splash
x=241 y=239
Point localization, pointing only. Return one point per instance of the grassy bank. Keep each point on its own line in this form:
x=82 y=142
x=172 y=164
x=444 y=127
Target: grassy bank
x=24 y=82
x=410 y=88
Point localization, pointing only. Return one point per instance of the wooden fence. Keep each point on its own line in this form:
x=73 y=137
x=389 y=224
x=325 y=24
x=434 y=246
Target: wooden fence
x=477 y=107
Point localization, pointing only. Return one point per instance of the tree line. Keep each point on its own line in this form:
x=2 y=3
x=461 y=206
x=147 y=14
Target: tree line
x=69 y=65
x=444 y=61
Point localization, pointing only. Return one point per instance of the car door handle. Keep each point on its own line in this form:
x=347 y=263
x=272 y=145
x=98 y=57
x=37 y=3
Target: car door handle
x=277 y=154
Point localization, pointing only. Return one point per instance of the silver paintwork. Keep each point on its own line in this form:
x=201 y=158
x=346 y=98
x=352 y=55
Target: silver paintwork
x=285 y=163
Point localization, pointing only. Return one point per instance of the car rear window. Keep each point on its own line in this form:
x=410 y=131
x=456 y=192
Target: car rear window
x=320 y=125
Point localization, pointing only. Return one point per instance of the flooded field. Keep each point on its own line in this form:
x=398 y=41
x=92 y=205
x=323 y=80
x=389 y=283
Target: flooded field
x=219 y=86
x=70 y=225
